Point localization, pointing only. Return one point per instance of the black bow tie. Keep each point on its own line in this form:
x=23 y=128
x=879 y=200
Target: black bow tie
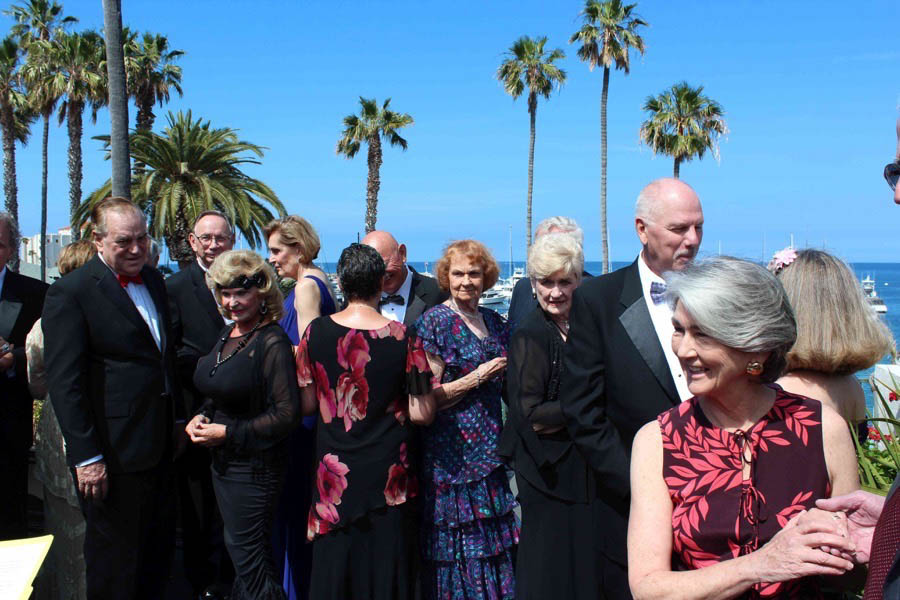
x=392 y=299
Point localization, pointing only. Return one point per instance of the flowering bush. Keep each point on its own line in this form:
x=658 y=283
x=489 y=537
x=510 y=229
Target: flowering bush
x=879 y=454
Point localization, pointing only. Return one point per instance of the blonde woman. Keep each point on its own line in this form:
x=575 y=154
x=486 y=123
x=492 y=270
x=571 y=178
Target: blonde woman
x=253 y=404
x=293 y=246
x=838 y=333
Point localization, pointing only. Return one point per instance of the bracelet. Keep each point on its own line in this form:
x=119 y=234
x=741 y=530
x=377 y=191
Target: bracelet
x=478 y=376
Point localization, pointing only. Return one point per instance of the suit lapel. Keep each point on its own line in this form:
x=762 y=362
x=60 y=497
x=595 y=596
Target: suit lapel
x=111 y=290
x=639 y=327
x=205 y=297
x=158 y=294
x=415 y=306
x=10 y=305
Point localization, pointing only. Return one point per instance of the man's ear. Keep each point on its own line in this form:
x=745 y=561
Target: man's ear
x=641 y=228
x=402 y=250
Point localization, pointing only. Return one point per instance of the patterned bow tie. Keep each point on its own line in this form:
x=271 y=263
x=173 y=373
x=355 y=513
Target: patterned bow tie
x=124 y=280
x=392 y=299
x=658 y=292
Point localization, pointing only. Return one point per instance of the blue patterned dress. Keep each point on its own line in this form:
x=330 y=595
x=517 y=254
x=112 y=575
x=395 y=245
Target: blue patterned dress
x=470 y=530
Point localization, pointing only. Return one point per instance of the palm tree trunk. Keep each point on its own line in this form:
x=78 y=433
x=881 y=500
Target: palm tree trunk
x=45 y=140
x=604 y=234
x=374 y=182
x=73 y=124
x=9 y=172
x=532 y=112
x=177 y=243
x=118 y=99
x=677 y=169
x=145 y=116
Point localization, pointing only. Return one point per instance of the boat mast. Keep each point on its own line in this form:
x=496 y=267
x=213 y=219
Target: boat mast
x=510 y=252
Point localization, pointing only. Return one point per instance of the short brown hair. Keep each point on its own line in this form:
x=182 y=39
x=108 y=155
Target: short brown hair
x=296 y=231
x=230 y=265
x=74 y=255
x=837 y=331
x=112 y=203
x=476 y=252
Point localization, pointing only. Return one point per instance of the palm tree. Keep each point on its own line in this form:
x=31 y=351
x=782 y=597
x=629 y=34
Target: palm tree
x=151 y=74
x=191 y=168
x=607 y=37
x=15 y=120
x=114 y=66
x=37 y=20
x=371 y=126
x=78 y=77
x=683 y=124
x=529 y=66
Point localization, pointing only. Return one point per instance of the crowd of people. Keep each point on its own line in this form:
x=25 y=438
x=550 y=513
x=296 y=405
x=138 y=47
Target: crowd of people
x=675 y=429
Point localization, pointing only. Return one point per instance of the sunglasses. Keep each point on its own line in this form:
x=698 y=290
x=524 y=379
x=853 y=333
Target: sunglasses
x=892 y=174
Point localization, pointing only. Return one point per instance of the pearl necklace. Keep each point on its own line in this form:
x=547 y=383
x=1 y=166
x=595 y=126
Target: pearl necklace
x=455 y=308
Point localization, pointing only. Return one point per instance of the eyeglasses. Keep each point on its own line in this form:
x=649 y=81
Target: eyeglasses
x=892 y=173
x=207 y=239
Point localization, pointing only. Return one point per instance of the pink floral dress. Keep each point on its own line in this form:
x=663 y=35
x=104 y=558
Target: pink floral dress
x=717 y=514
x=364 y=446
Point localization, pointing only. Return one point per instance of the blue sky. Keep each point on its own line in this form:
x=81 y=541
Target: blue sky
x=810 y=92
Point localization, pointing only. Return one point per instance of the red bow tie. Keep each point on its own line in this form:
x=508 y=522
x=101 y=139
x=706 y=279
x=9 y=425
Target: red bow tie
x=124 y=280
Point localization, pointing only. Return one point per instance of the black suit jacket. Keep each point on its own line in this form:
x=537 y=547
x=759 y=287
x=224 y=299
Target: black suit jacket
x=196 y=325
x=21 y=302
x=423 y=294
x=114 y=391
x=617 y=380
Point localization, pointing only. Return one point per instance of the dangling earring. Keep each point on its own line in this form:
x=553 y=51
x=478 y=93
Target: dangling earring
x=754 y=367
x=263 y=308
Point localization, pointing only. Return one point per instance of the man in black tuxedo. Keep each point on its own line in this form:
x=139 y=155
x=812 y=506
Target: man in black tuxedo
x=196 y=326
x=621 y=371
x=523 y=301
x=21 y=301
x=110 y=362
x=406 y=293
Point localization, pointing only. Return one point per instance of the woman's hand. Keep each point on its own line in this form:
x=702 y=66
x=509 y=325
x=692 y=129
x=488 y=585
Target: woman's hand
x=796 y=551
x=204 y=433
x=492 y=368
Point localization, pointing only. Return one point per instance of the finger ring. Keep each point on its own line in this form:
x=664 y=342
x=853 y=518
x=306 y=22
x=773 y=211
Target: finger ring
x=4 y=348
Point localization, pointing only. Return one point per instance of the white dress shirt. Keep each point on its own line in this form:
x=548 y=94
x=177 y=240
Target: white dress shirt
x=397 y=312
x=661 y=315
x=143 y=302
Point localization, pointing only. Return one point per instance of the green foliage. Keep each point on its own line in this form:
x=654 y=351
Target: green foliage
x=529 y=67
x=150 y=72
x=683 y=123
x=189 y=169
x=879 y=455
x=370 y=123
x=608 y=34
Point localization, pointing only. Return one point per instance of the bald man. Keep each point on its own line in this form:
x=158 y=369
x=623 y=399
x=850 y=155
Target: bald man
x=406 y=293
x=621 y=370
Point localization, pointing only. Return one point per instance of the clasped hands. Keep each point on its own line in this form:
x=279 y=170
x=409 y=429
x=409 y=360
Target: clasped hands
x=205 y=433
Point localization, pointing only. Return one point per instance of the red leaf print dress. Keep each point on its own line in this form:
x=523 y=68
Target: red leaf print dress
x=717 y=514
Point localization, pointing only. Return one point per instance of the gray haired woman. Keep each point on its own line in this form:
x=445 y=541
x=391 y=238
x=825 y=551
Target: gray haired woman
x=721 y=484
x=556 y=554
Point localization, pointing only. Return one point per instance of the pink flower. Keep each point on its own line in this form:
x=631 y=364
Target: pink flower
x=353 y=351
x=328 y=512
x=304 y=372
x=400 y=486
x=324 y=393
x=331 y=479
x=315 y=526
x=782 y=259
x=352 y=397
x=415 y=357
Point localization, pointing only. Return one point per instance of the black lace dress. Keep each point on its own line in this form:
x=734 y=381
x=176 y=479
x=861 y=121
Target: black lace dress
x=254 y=394
x=557 y=556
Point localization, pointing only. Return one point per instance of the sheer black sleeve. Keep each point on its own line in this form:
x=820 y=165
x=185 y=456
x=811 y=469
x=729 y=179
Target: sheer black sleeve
x=281 y=409
x=529 y=373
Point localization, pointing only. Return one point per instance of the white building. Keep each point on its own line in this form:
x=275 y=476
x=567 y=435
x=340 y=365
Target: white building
x=30 y=252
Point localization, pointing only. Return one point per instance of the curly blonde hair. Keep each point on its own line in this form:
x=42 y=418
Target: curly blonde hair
x=476 y=252
x=231 y=265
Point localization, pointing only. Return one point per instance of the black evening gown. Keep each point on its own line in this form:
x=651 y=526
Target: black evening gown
x=557 y=555
x=255 y=394
x=362 y=522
